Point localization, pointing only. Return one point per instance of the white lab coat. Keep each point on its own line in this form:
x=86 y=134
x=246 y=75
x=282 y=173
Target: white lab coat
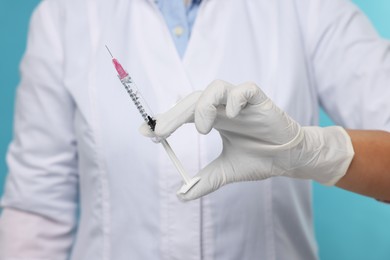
x=77 y=140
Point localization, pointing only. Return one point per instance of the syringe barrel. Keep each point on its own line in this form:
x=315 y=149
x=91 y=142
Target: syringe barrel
x=139 y=101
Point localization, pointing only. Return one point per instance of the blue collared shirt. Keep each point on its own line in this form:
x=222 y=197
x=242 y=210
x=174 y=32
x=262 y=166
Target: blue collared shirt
x=180 y=19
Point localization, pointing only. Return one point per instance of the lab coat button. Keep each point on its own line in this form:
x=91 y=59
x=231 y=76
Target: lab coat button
x=178 y=31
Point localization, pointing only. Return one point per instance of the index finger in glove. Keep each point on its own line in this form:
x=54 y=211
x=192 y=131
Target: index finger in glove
x=240 y=96
x=206 y=110
x=168 y=122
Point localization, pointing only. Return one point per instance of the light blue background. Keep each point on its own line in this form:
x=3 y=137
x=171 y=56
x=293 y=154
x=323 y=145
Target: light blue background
x=348 y=226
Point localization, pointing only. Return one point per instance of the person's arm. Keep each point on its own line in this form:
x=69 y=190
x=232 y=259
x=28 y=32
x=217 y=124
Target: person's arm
x=261 y=141
x=351 y=67
x=41 y=192
x=369 y=171
x=350 y=64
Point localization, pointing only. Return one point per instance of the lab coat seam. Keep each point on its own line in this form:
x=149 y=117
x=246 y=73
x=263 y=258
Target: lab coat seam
x=102 y=169
x=202 y=204
x=167 y=229
x=309 y=65
x=271 y=232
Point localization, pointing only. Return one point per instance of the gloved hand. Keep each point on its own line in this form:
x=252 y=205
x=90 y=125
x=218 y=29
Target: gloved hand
x=259 y=139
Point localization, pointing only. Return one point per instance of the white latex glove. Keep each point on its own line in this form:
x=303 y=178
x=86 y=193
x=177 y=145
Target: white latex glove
x=259 y=139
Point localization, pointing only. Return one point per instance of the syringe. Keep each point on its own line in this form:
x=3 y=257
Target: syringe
x=136 y=97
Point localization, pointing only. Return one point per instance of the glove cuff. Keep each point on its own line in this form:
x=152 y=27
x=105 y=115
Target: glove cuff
x=330 y=151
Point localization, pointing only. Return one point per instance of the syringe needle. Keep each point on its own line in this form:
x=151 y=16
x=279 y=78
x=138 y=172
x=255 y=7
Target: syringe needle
x=109 y=51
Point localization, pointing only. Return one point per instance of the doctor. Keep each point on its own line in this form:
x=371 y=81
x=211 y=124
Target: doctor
x=83 y=184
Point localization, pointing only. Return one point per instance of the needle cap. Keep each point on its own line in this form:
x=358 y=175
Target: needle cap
x=121 y=72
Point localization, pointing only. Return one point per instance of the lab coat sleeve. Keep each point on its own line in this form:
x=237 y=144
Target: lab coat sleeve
x=23 y=237
x=351 y=64
x=41 y=188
